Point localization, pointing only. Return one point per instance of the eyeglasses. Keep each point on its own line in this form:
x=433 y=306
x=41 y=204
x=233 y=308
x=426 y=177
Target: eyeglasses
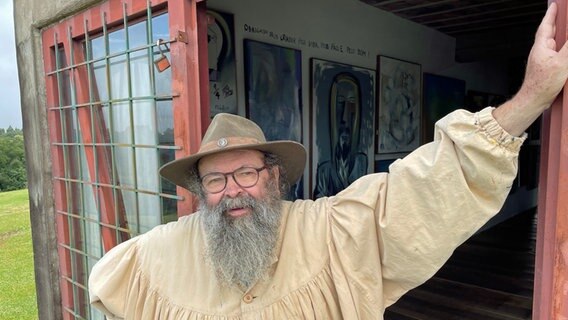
x=245 y=177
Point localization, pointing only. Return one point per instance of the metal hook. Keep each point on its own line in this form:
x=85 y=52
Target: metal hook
x=159 y=44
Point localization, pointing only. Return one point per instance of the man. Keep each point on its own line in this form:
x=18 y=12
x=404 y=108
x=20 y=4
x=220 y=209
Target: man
x=248 y=255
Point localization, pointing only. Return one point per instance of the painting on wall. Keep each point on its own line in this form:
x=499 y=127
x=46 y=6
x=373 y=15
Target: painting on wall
x=222 y=68
x=399 y=105
x=273 y=84
x=342 y=124
x=273 y=87
x=442 y=95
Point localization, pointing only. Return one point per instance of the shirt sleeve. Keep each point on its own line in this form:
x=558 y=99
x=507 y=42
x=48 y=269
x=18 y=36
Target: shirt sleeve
x=393 y=232
x=111 y=278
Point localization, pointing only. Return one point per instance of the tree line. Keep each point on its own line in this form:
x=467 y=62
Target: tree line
x=12 y=160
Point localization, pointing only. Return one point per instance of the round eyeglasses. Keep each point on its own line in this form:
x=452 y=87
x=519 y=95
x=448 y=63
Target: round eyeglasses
x=245 y=177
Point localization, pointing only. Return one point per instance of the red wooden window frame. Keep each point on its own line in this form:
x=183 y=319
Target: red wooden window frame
x=188 y=54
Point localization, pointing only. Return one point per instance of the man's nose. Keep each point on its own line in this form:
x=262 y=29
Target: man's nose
x=232 y=189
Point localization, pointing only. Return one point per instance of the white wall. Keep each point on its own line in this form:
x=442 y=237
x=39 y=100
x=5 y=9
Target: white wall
x=350 y=23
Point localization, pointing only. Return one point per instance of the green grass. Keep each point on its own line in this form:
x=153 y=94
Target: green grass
x=17 y=283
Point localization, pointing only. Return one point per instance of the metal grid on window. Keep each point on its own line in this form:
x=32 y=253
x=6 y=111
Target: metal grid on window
x=111 y=124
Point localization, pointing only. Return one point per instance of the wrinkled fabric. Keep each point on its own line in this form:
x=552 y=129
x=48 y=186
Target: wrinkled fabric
x=347 y=256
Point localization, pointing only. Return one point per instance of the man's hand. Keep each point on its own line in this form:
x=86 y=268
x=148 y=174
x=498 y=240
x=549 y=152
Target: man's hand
x=545 y=76
x=546 y=69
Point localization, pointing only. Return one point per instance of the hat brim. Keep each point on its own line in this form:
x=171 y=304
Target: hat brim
x=292 y=155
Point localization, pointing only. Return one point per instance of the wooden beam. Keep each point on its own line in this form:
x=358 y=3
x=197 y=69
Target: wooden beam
x=186 y=88
x=54 y=119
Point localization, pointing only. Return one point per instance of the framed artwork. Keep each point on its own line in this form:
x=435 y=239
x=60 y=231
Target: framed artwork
x=273 y=88
x=442 y=95
x=399 y=105
x=222 y=68
x=342 y=123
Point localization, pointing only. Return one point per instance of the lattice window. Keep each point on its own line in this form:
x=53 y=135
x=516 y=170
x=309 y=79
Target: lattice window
x=111 y=121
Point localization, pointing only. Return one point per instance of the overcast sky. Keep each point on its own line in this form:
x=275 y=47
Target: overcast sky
x=10 y=113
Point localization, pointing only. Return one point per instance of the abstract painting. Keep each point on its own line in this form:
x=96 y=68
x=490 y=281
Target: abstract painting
x=222 y=68
x=273 y=88
x=273 y=84
x=399 y=105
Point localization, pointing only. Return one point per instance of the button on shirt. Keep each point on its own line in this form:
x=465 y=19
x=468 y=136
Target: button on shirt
x=247 y=298
x=343 y=257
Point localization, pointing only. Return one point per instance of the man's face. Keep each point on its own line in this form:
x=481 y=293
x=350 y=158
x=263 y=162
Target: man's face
x=241 y=224
x=232 y=160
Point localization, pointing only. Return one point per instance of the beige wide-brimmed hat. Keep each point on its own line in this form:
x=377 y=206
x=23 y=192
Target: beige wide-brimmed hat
x=231 y=132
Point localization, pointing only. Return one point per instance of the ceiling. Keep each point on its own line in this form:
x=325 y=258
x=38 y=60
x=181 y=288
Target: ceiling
x=484 y=29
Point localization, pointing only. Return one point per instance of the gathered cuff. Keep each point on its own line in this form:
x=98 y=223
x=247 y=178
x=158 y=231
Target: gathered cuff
x=486 y=122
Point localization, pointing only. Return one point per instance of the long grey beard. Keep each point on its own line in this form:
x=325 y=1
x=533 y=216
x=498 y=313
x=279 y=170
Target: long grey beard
x=241 y=249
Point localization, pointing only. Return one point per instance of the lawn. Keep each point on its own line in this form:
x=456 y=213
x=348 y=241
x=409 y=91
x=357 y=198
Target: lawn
x=17 y=286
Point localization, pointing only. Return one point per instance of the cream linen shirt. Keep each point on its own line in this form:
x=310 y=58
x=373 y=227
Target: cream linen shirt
x=344 y=257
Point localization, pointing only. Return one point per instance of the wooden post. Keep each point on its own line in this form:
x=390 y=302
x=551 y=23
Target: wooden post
x=186 y=87
x=551 y=269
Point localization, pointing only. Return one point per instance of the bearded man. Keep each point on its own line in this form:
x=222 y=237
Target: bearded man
x=246 y=254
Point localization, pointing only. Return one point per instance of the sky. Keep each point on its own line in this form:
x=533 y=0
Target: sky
x=10 y=112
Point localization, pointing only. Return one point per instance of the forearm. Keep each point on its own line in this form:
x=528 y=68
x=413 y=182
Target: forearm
x=517 y=114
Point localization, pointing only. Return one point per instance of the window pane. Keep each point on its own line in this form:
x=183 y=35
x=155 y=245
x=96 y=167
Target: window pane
x=116 y=41
x=118 y=78
x=137 y=34
x=160 y=30
x=100 y=81
x=160 y=27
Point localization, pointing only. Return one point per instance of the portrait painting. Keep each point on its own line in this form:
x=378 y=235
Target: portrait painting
x=273 y=87
x=342 y=114
x=442 y=95
x=399 y=105
x=222 y=67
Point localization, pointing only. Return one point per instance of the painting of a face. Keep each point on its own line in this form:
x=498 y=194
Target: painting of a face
x=342 y=110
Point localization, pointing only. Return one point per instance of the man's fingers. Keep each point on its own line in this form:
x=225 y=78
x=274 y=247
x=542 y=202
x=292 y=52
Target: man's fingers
x=547 y=25
x=550 y=15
